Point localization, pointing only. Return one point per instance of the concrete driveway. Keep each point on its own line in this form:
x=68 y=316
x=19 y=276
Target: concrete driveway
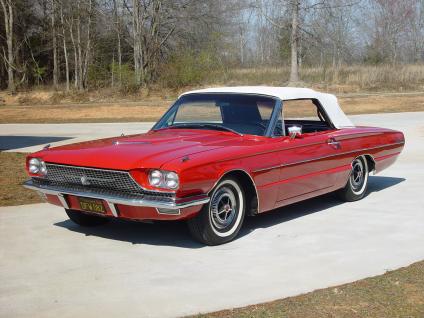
x=50 y=267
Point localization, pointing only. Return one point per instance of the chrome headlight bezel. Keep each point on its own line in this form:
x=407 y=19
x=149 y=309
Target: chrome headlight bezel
x=163 y=179
x=155 y=178
x=37 y=166
x=171 y=180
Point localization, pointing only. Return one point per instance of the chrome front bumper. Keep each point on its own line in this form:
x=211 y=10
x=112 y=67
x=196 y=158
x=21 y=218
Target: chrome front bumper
x=112 y=199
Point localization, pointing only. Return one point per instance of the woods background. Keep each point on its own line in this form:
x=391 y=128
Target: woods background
x=130 y=45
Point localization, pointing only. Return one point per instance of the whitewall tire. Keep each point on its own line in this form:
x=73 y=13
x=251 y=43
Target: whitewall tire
x=356 y=186
x=220 y=220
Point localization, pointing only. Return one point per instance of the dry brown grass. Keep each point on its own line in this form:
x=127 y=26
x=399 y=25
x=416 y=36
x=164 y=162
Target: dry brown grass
x=12 y=175
x=81 y=113
x=46 y=95
x=344 y=79
x=152 y=109
x=43 y=105
x=398 y=293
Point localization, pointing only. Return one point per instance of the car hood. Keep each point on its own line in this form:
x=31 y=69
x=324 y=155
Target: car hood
x=150 y=150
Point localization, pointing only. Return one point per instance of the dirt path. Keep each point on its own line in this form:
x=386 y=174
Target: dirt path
x=151 y=110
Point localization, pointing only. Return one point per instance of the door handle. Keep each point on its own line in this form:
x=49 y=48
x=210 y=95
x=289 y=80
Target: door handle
x=333 y=143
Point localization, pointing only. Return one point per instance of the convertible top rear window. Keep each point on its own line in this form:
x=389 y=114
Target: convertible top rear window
x=241 y=113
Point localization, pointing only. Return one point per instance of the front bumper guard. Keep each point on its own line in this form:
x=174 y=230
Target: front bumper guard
x=112 y=199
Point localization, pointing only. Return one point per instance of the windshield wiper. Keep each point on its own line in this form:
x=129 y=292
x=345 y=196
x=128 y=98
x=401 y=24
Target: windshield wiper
x=205 y=125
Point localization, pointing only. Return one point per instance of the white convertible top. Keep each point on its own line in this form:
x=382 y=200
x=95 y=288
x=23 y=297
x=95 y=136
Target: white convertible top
x=328 y=101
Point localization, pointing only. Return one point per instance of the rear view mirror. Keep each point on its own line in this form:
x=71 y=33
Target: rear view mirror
x=295 y=131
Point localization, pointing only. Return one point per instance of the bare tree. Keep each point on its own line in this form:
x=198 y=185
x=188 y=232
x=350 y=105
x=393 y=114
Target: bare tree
x=54 y=41
x=118 y=31
x=7 y=6
x=137 y=18
x=294 y=9
x=87 y=53
x=294 y=41
x=64 y=45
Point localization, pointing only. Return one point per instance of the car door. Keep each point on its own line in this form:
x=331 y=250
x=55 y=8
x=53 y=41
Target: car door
x=309 y=161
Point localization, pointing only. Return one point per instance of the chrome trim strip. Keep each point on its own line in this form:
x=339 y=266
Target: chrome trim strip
x=268 y=168
x=85 y=168
x=112 y=207
x=185 y=202
x=62 y=200
x=323 y=157
x=123 y=142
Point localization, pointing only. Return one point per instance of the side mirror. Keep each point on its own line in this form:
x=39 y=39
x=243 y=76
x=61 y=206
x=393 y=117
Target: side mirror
x=295 y=131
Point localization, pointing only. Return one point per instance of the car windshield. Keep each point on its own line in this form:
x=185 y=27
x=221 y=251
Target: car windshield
x=237 y=113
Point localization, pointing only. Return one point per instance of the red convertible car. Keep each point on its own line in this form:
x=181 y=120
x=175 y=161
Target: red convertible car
x=216 y=156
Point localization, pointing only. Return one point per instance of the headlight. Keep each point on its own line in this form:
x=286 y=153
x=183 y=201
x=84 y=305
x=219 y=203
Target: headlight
x=155 y=178
x=163 y=179
x=171 y=180
x=37 y=166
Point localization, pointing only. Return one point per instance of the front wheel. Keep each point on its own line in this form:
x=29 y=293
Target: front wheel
x=220 y=220
x=83 y=219
x=356 y=186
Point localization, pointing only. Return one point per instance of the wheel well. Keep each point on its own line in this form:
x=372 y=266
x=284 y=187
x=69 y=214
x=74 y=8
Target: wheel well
x=370 y=162
x=252 y=200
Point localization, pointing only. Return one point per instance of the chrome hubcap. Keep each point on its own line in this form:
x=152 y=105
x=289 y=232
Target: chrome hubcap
x=223 y=208
x=357 y=175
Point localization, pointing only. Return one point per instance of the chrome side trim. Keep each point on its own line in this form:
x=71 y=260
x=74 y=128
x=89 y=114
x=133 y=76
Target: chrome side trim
x=324 y=157
x=62 y=200
x=268 y=168
x=123 y=142
x=115 y=199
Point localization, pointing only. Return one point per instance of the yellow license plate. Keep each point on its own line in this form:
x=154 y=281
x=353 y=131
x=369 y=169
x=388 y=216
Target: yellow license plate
x=91 y=205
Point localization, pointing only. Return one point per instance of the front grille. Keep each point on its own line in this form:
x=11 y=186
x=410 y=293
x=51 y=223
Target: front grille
x=95 y=179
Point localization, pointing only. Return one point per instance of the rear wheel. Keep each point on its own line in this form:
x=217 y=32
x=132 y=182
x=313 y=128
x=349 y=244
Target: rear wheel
x=83 y=219
x=356 y=186
x=220 y=220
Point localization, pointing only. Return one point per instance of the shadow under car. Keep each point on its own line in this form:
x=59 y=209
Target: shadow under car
x=175 y=233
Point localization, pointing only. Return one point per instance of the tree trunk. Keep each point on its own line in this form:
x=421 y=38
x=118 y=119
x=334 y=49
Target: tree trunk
x=294 y=71
x=113 y=71
x=79 y=60
x=65 y=49
x=241 y=46
x=55 y=69
x=76 y=73
x=138 y=53
x=118 y=33
x=8 y=23
x=87 y=48
x=119 y=58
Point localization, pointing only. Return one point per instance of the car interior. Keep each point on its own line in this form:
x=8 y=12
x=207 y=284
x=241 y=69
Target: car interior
x=305 y=113
x=249 y=114
x=244 y=118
